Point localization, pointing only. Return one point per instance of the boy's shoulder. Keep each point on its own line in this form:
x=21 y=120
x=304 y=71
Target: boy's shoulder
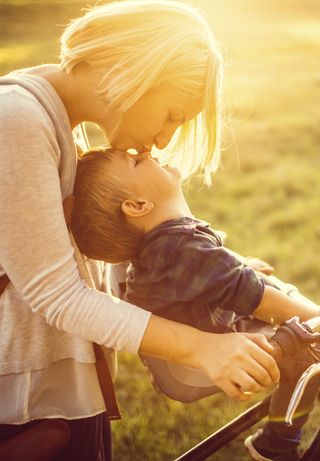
x=163 y=243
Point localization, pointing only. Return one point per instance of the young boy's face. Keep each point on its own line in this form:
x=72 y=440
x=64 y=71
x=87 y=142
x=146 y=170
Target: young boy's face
x=144 y=175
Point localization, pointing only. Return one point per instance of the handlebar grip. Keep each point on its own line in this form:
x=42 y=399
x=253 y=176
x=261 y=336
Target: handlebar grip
x=277 y=352
x=293 y=336
x=286 y=340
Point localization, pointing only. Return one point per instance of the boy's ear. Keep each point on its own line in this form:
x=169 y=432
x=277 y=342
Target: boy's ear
x=136 y=208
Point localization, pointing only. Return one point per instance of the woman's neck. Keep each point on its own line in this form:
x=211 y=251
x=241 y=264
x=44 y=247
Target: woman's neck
x=77 y=90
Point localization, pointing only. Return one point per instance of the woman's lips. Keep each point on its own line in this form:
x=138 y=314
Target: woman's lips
x=146 y=148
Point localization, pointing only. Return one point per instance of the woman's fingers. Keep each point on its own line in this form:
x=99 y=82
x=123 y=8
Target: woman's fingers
x=254 y=371
x=262 y=354
x=260 y=375
x=261 y=341
x=235 y=392
x=242 y=366
x=247 y=383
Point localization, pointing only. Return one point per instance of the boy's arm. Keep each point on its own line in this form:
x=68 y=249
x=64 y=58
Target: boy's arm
x=276 y=307
x=216 y=276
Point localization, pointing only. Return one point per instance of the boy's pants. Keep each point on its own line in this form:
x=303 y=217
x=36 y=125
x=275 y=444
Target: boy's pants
x=291 y=369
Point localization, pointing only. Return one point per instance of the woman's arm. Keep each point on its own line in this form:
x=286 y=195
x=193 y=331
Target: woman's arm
x=35 y=248
x=232 y=360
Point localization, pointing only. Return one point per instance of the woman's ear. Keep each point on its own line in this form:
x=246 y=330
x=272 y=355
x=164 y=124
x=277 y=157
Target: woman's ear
x=136 y=208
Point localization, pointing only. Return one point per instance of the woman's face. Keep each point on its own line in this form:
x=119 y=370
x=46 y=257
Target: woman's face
x=154 y=118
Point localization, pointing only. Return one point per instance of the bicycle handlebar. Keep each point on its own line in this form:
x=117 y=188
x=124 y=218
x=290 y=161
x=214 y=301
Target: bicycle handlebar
x=291 y=337
x=313 y=324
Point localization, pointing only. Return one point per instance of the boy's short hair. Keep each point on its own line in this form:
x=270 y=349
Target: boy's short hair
x=98 y=223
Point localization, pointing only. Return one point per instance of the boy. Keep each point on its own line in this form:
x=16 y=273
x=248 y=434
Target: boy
x=129 y=207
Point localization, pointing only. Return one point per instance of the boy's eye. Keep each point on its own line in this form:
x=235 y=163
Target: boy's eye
x=134 y=160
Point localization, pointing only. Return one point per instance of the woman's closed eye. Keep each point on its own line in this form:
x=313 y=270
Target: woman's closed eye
x=176 y=117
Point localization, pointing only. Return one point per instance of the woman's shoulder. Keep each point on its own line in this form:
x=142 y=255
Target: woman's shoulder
x=18 y=104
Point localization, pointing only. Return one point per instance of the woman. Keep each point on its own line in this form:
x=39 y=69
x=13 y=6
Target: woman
x=142 y=71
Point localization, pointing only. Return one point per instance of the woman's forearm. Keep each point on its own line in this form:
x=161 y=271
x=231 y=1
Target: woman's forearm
x=172 y=341
x=276 y=307
x=233 y=361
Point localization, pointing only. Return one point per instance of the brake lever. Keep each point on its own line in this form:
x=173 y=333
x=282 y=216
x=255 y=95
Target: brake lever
x=301 y=385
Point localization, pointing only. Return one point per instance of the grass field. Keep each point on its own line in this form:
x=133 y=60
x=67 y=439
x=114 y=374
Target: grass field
x=266 y=195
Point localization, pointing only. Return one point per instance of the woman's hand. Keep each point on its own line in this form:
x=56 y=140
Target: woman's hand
x=236 y=362
x=239 y=363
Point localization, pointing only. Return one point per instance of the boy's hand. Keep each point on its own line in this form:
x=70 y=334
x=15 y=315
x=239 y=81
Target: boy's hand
x=241 y=364
x=259 y=265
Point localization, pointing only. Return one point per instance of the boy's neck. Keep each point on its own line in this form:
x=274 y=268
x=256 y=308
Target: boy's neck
x=166 y=210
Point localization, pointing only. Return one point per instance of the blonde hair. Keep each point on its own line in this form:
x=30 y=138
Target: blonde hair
x=140 y=44
x=98 y=224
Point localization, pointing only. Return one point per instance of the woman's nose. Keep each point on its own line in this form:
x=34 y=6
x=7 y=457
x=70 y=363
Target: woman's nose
x=143 y=155
x=161 y=140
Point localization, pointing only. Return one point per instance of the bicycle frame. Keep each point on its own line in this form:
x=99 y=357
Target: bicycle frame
x=227 y=433
x=291 y=334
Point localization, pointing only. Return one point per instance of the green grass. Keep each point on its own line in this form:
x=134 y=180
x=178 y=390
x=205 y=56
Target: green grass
x=266 y=196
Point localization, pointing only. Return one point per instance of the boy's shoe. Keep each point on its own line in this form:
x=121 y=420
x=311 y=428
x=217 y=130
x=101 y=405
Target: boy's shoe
x=259 y=447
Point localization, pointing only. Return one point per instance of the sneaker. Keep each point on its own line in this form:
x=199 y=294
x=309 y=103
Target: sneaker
x=258 y=446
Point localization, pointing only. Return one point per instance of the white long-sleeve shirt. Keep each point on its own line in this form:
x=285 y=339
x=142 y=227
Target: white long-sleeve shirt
x=47 y=313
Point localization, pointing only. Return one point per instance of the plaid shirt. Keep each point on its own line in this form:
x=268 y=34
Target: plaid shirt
x=184 y=273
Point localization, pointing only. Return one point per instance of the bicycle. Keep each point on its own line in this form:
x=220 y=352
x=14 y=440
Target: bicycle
x=170 y=378
x=289 y=338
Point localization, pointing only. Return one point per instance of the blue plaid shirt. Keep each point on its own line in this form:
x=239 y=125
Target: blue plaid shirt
x=184 y=273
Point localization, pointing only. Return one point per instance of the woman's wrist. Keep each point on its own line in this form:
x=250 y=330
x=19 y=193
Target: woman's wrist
x=172 y=341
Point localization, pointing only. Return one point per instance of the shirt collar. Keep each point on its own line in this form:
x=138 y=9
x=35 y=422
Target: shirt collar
x=183 y=225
